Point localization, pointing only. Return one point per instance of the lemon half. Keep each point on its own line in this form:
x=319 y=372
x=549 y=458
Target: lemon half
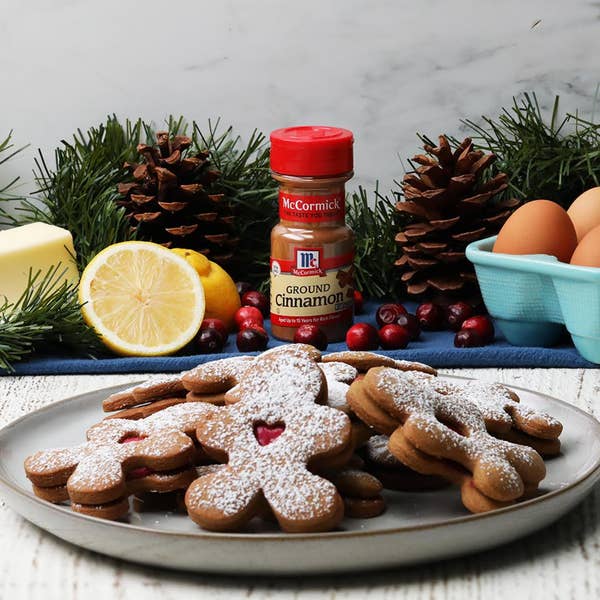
x=142 y=298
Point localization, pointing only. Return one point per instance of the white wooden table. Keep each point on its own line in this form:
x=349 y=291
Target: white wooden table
x=561 y=562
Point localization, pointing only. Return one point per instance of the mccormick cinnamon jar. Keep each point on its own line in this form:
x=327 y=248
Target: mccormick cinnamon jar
x=312 y=250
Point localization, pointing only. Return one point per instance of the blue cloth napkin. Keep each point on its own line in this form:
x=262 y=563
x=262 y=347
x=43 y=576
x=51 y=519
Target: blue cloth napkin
x=435 y=348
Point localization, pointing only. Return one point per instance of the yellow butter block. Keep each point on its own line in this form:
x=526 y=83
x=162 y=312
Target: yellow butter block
x=35 y=247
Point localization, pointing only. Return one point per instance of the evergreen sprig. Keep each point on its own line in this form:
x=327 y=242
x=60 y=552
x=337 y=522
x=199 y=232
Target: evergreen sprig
x=374 y=228
x=78 y=192
x=247 y=184
x=46 y=317
x=7 y=152
x=553 y=157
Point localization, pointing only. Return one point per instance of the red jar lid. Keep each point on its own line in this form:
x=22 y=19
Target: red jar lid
x=311 y=151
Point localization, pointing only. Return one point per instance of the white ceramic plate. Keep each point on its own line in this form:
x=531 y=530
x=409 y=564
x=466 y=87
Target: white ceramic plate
x=417 y=527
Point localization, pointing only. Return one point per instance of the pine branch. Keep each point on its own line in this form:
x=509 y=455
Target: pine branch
x=551 y=157
x=79 y=192
x=6 y=148
x=374 y=229
x=252 y=193
x=45 y=317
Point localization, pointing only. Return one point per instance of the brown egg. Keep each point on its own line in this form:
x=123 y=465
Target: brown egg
x=538 y=227
x=585 y=212
x=587 y=253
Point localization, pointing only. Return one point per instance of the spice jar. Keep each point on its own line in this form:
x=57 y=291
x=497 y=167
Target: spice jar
x=312 y=250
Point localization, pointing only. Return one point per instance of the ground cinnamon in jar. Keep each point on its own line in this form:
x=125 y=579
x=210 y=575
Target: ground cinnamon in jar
x=312 y=250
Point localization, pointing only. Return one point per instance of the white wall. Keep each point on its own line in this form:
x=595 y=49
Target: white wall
x=384 y=69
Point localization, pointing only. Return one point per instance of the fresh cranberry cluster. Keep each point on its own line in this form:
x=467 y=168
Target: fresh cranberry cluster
x=398 y=327
x=249 y=321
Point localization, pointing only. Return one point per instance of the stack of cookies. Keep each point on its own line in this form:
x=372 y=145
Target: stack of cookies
x=301 y=439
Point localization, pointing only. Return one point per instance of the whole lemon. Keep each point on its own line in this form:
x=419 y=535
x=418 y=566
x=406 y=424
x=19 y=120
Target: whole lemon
x=220 y=293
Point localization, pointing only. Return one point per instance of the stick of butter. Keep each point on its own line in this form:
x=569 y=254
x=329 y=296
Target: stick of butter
x=35 y=247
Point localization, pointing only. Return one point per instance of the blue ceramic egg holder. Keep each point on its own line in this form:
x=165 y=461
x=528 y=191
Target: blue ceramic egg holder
x=531 y=297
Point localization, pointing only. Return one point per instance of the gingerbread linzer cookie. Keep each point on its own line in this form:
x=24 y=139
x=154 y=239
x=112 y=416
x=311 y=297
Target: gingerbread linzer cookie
x=363 y=361
x=217 y=376
x=120 y=457
x=360 y=490
x=270 y=428
x=446 y=427
x=393 y=474
x=506 y=417
x=152 y=390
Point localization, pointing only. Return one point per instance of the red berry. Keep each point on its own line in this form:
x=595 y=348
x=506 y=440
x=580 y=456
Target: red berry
x=468 y=338
x=209 y=341
x=217 y=325
x=311 y=334
x=456 y=313
x=411 y=324
x=393 y=337
x=388 y=313
x=431 y=316
x=362 y=336
x=359 y=302
x=252 y=339
x=483 y=326
x=247 y=313
x=256 y=299
x=243 y=287
x=249 y=324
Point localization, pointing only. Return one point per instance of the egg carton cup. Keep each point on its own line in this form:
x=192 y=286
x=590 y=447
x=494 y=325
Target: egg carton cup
x=532 y=298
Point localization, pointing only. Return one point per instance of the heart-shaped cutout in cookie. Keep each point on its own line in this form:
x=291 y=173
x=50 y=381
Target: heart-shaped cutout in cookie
x=266 y=434
x=129 y=438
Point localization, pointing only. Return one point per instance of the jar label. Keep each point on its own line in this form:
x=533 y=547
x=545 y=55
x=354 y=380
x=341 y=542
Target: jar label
x=311 y=289
x=311 y=209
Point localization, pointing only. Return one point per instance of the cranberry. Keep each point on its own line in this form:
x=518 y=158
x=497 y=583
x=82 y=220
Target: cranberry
x=209 y=341
x=217 y=325
x=388 y=313
x=359 y=302
x=393 y=337
x=311 y=334
x=243 y=287
x=483 y=326
x=252 y=339
x=468 y=338
x=256 y=299
x=456 y=313
x=247 y=313
x=362 y=336
x=431 y=316
x=411 y=324
x=249 y=324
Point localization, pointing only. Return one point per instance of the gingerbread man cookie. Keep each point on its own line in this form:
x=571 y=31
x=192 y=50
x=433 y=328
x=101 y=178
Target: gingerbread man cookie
x=445 y=427
x=120 y=457
x=506 y=417
x=363 y=361
x=152 y=390
x=270 y=428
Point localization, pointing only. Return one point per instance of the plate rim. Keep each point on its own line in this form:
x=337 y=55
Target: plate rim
x=593 y=471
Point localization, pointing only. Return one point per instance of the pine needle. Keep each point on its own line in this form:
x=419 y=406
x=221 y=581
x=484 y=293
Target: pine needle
x=374 y=229
x=556 y=158
x=47 y=316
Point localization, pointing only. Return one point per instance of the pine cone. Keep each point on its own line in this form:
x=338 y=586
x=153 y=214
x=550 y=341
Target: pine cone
x=167 y=202
x=448 y=204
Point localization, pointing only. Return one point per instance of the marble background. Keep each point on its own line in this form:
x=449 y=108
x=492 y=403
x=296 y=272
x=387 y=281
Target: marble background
x=383 y=68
